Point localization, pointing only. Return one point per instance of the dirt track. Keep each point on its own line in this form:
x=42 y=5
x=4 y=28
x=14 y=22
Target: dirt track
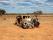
x=9 y=31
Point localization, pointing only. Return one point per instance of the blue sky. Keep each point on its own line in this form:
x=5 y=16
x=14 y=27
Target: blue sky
x=26 y=6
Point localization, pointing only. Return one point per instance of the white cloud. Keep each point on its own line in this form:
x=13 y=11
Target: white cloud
x=49 y=4
x=12 y=2
x=6 y=2
x=32 y=6
x=39 y=1
x=1 y=7
x=35 y=6
x=52 y=6
x=19 y=6
x=22 y=2
x=22 y=6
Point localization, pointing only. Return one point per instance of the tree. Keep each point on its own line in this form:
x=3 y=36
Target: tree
x=35 y=12
x=38 y=12
x=2 y=11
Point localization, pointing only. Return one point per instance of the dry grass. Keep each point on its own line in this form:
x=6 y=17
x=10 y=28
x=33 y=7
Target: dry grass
x=9 y=31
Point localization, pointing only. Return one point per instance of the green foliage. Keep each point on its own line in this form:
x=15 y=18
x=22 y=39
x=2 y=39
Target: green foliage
x=2 y=11
x=38 y=12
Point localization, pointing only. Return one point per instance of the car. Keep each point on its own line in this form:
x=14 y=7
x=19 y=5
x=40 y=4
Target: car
x=26 y=22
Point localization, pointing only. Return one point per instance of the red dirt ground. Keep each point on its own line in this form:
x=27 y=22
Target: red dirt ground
x=9 y=31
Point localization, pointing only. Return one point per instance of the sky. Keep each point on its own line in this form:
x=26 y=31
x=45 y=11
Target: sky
x=26 y=6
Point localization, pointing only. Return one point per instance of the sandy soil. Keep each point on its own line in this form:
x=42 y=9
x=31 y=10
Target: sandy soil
x=9 y=31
